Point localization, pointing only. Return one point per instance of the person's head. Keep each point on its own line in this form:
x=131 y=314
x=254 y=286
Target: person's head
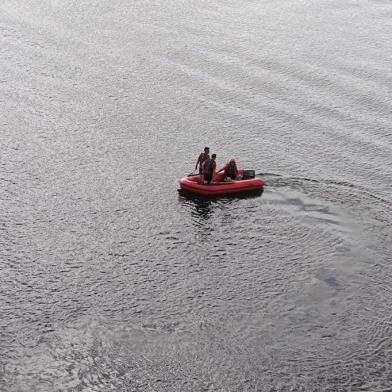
x=232 y=161
x=213 y=156
x=206 y=150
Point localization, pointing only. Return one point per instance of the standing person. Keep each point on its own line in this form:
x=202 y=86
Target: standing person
x=209 y=168
x=231 y=171
x=202 y=158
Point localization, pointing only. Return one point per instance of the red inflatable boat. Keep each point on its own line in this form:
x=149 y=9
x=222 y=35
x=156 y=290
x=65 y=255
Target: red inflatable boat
x=220 y=188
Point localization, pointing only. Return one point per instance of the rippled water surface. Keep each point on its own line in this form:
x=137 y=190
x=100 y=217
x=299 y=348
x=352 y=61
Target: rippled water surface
x=112 y=280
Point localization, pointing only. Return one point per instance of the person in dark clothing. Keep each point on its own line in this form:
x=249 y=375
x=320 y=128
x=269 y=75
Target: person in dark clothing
x=209 y=168
x=202 y=158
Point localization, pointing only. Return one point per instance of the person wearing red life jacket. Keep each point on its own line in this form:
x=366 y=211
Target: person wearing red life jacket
x=231 y=171
x=202 y=158
x=209 y=169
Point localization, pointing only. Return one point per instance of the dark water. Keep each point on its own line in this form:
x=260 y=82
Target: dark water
x=110 y=280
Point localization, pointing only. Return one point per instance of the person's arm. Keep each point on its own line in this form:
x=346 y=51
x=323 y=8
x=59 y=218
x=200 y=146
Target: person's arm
x=197 y=163
x=223 y=168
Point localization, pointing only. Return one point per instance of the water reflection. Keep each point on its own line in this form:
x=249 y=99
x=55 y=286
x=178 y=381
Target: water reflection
x=204 y=206
x=227 y=198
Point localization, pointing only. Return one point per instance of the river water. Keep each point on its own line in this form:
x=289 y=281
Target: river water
x=111 y=280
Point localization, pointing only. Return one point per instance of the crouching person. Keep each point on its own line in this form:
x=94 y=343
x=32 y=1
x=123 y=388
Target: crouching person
x=231 y=171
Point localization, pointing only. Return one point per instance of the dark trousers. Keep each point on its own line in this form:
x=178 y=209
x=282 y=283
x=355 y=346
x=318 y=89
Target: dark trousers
x=208 y=177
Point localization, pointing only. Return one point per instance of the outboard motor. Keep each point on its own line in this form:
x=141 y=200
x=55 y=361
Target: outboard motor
x=248 y=174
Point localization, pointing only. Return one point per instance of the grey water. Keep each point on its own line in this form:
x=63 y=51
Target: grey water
x=112 y=280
